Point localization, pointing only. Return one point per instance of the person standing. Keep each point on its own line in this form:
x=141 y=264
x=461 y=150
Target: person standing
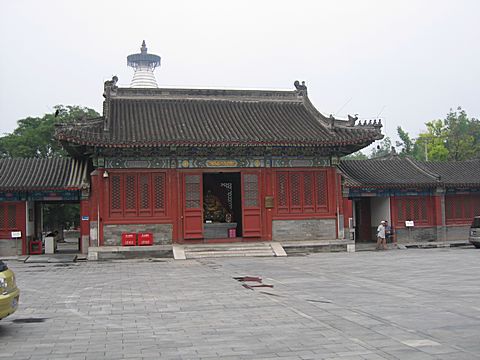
x=381 y=242
x=389 y=236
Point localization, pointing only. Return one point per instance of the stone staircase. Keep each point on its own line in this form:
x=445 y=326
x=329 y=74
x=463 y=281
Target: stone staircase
x=197 y=251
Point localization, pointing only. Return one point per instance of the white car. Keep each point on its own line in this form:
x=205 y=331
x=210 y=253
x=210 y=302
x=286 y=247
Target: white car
x=474 y=237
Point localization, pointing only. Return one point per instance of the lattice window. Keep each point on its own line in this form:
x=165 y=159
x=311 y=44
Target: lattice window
x=449 y=205
x=192 y=191
x=229 y=188
x=458 y=209
x=144 y=191
x=467 y=207
x=250 y=187
x=302 y=192
x=308 y=192
x=2 y=217
x=115 y=194
x=322 y=189
x=130 y=192
x=282 y=190
x=295 y=201
x=476 y=206
x=136 y=194
x=400 y=210
x=408 y=210
x=159 y=191
x=423 y=209
x=12 y=217
x=413 y=208
x=461 y=208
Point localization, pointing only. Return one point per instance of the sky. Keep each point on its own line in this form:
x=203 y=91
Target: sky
x=407 y=62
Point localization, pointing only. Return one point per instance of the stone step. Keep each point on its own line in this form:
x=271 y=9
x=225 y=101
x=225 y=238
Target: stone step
x=223 y=253
x=194 y=251
x=228 y=248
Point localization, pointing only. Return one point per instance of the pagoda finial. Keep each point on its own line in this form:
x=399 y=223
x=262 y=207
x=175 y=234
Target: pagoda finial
x=144 y=65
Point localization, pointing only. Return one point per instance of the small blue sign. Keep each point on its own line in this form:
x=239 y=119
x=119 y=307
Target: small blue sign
x=85 y=218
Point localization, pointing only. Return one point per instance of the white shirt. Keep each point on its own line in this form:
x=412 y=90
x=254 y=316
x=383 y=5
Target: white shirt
x=381 y=231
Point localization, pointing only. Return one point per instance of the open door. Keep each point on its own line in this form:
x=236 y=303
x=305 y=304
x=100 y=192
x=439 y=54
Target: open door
x=192 y=206
x=252 y=213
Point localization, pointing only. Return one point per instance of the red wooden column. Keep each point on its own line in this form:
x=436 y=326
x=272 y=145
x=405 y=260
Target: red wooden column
x=21 y=222
x=268 y=185
x=174 y=202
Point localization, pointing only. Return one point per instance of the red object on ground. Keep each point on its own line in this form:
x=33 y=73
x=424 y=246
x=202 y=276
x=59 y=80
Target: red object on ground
x=129 y=239
x=145 y=239
x=35 y=247
x=232 y=233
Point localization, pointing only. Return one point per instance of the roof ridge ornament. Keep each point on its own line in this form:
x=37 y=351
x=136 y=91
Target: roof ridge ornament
x=110 y=87
x=300 y=88
x=352 y=119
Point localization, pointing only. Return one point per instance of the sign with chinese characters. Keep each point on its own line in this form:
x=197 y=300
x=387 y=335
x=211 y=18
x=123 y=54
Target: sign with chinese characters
x=184 y=163
x=409 y=223
x=16 y=234
x=269 y=203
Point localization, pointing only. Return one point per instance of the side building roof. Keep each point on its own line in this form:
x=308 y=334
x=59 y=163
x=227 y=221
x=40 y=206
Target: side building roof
x=43 y=174
x=134 y=117
x=397 y=172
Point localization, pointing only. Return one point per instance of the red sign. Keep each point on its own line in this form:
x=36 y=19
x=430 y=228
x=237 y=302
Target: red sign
x=129 y=239
x=145 y=239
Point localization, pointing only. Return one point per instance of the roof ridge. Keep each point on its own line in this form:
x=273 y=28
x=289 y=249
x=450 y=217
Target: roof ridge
x=427 y=172
x=179 y=93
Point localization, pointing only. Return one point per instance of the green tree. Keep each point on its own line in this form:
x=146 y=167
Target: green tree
x=61 y=216
x=382 y=149
x=456 y=138
x=358 y=155
x=462 y=142
x=33 y=138
x=406 y=143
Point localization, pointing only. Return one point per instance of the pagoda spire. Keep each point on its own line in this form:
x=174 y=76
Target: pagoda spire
x=144 y=65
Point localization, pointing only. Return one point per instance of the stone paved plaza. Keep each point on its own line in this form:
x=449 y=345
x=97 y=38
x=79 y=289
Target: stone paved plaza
x=411 y=304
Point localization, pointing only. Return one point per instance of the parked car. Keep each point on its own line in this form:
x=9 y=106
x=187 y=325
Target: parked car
x=9 y=293
x=474 y=237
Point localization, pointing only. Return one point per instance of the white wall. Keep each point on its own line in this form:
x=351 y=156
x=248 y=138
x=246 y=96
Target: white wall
x=380 y=207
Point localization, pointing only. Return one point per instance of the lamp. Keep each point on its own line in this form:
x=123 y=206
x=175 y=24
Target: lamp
x=105 y=174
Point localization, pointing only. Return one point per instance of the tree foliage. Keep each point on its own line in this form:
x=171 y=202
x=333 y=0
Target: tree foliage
x=356 y=156
x=33 y=137
x=382 y=149
x=455 y=138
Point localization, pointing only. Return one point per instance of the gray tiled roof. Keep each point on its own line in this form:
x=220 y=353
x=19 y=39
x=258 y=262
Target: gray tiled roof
x=461 y=173
x=190 y=117
x=399 y=172
x=42 y=174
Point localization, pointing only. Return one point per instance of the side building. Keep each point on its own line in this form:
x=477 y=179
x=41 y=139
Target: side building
x=424 y=201
x=27 y=184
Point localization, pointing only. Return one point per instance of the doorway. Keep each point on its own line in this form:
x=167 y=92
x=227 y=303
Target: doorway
x=363 y=220
x=60 y=221
x=222 y=205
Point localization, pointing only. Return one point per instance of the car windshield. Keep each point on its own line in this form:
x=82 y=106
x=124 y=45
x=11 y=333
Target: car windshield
x=476 y=222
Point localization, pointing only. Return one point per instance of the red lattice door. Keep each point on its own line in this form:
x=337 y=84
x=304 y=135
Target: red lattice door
x=251 y=214
x=192 y=206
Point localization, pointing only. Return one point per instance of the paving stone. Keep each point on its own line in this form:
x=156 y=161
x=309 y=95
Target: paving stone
x=413 y=304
